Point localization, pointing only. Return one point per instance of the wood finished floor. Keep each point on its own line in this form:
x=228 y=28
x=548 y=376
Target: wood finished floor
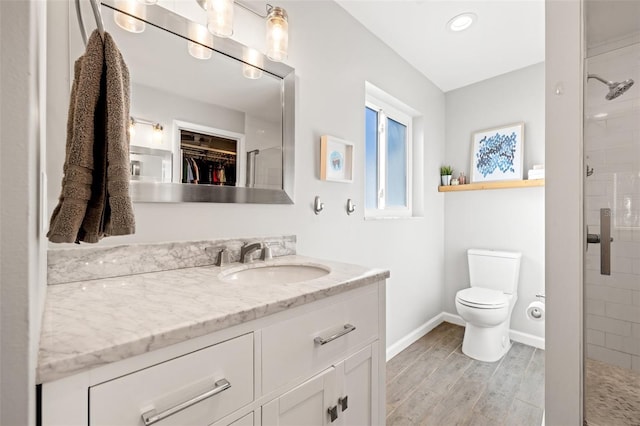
x=433 y=383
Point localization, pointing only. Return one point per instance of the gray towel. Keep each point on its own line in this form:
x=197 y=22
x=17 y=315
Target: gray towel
x=94 y=201
x=121 y=220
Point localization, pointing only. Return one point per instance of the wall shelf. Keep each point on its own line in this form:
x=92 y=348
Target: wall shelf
x=492 y=185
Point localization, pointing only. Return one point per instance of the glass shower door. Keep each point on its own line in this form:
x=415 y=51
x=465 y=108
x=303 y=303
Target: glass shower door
x=612 y=255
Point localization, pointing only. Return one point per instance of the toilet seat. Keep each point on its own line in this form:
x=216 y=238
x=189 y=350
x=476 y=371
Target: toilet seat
x=482 y=298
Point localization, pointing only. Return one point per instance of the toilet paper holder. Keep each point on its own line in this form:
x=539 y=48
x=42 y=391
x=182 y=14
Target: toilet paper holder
x=536 y=313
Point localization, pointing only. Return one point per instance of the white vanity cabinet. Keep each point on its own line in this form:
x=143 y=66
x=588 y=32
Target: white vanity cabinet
x=293 y=367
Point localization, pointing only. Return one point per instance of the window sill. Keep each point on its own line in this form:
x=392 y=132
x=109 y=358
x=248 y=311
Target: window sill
x=393 y=217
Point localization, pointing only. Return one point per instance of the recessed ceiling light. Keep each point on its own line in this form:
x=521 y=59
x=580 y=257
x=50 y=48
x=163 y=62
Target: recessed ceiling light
x=461 y=22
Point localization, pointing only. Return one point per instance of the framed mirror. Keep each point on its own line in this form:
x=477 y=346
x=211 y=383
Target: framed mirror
x=211 y=120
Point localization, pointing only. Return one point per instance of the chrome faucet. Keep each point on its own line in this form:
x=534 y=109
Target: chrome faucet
x=246 y=250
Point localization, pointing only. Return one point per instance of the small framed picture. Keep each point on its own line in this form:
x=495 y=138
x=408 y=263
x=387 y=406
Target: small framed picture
x=497 y=154
x=336 y=159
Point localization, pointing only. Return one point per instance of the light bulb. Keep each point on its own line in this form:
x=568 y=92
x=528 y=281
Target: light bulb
x=220 y=17
x=132 y=128
x=201 y=38
x=277 y=34
x=253 y=62
x=129 y=23
x=157 y=133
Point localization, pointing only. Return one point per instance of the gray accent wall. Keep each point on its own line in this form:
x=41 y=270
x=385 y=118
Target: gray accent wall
x=503 y=219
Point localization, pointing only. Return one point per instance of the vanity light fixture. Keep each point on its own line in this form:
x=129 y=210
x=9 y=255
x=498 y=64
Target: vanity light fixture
x=126 y=21
x=277 y=34
x=202 y=38
x=462 y=22
x=157 y=128
x=220 y=17
x=253 y=63
x=277 y=22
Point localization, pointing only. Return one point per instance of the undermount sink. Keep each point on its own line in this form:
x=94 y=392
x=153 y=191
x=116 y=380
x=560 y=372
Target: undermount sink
x=274 y=274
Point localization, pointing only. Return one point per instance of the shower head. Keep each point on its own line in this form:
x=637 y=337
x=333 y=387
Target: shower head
x=615 y=89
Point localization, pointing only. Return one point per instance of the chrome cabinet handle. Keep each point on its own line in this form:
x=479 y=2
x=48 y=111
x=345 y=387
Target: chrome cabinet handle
x=348 y=328
x=344 y=403
x=333 y=413
x=151 y=416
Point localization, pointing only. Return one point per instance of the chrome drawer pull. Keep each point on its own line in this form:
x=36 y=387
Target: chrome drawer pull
x=348 y=328
x=150 y=417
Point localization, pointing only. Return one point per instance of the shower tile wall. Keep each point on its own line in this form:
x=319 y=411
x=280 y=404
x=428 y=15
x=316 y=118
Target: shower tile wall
x=612 y=149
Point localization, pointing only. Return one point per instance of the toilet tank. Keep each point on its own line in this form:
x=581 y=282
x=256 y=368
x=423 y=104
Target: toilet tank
x=497 y=270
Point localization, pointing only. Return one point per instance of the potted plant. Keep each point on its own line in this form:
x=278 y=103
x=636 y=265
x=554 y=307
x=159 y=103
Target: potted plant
x=445 y=175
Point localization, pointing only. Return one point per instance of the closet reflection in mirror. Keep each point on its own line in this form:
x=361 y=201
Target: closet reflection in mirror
x=228 y=132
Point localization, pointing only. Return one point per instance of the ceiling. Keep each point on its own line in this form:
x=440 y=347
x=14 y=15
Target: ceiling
x=507 y=35
x=610 y=20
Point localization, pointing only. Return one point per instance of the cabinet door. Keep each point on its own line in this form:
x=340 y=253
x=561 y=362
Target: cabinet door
x=305 y=405
x=358 y=383
x=244 y=421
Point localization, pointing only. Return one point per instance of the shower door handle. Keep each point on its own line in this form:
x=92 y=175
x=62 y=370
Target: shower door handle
x=604 y=239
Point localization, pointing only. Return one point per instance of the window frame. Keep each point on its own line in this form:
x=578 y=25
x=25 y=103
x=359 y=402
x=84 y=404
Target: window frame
x=386 y=110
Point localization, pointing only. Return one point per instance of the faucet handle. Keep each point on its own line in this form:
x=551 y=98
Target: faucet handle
x=266 y=254
x=223 y=257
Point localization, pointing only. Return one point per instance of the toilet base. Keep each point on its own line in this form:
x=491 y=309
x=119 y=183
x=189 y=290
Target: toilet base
x=488 y=344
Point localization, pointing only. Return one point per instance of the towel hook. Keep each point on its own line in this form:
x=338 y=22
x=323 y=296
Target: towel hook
x=96 y=14
x=350 y=207
x=317 y=205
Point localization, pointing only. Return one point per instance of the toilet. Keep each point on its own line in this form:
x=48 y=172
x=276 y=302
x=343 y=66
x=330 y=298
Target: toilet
x=487 y=304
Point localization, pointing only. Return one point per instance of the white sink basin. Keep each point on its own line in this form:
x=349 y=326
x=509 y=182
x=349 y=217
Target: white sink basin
x=274 y=274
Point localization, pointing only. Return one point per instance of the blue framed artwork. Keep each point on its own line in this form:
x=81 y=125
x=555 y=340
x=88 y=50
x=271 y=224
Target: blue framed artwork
x=497 y=154
x=336 y=159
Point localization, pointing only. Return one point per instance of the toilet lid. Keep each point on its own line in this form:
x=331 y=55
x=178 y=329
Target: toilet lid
x=482 y=298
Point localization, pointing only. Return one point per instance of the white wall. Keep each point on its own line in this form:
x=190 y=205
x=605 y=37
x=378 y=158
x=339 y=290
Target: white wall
x=163 y=107
x=612 y=149
x=22 y=32
x=332 y=64
x=265 y=136
x=563 y=212
x=511 y=219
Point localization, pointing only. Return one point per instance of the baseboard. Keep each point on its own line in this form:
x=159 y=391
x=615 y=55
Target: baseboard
x=414 y=335
x=453 y=319
x=527 y=339
x=516 y=336
x=406 y=341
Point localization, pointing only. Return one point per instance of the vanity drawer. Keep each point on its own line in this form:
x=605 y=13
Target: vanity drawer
x=292 y=350
x=182 y=382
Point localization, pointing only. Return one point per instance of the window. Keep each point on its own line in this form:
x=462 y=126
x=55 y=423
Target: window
x=388 y=143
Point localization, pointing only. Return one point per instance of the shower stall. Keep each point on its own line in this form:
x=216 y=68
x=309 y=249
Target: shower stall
x=611 y=138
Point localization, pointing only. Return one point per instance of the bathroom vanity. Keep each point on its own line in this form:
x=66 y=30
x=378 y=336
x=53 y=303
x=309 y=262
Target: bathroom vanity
x=286 y=341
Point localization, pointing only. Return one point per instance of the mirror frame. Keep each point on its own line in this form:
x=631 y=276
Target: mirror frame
x=150 y=192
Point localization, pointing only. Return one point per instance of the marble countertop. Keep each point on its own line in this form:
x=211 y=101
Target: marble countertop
x=90 y=323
